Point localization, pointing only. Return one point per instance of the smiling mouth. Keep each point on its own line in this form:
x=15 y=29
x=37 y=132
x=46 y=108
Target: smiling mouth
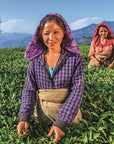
x=103 y=35
x=51 y=44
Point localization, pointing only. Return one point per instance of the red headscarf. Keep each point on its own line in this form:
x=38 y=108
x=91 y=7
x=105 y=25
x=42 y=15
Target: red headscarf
x=96 y=37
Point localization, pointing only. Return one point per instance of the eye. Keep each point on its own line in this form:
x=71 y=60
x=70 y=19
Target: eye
x=45 y=33
x=56 y=32
x=105 y=31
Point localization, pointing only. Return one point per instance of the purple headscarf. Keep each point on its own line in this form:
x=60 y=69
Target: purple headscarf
x=35 y=48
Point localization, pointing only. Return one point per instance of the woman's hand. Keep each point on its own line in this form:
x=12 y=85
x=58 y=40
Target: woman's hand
x=22 y=125
x=111 y=65
x=58 y=132
x=97 y=62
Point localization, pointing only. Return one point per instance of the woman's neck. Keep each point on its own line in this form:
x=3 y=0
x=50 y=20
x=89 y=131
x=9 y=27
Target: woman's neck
x=52 y=57
x=103 y=40
x=52 y=52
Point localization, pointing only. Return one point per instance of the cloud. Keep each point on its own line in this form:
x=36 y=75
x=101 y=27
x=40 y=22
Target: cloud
x=20 y=26
x=84 y=22
x=16 y=25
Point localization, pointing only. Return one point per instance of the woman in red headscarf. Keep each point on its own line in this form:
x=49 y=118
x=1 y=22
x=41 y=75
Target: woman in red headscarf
x=102 y=47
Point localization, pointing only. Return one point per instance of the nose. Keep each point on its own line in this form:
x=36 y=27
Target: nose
x=104 y=32
x=51 y=36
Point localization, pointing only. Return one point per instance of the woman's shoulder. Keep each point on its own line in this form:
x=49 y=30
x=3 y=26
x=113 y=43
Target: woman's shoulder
x=92 y=42
x=34 y=61
x=113 y=41
x=76 y=56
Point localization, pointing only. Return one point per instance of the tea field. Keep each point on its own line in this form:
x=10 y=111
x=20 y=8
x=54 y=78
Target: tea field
x=97 y=126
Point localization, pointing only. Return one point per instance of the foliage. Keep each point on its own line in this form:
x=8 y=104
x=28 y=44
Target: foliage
x=87 y=40
x=97 y=105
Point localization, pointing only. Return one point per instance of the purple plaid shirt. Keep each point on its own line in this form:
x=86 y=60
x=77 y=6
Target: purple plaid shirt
x=68 y=74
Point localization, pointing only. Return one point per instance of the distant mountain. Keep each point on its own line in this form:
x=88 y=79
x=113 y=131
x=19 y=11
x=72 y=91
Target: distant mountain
x=8 y=40
x=88 y=31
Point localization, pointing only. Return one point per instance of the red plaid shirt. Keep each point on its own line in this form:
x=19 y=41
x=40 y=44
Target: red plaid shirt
x=105 y=49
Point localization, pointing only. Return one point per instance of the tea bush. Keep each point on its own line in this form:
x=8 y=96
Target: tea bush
x=97 y=126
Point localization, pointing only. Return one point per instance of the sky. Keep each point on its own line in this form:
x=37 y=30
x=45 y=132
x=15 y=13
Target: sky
x=23 y=16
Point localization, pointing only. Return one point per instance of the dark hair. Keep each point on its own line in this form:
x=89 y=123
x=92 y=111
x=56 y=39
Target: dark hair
x=54 y=18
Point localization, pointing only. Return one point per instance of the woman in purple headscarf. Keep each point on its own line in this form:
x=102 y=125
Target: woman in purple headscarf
x=55 y=72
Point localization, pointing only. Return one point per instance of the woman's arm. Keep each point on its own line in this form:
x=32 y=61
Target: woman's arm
x=28 y=95
x=95 y=61
x=91 y=54
x=112 y=64
x=72 y=104
x=91 y=51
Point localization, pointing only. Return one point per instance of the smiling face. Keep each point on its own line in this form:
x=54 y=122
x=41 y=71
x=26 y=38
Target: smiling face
x=103 y=32
x=52 y=35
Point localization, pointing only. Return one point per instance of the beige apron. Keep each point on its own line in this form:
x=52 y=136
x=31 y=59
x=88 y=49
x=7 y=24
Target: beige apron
x=52 y=100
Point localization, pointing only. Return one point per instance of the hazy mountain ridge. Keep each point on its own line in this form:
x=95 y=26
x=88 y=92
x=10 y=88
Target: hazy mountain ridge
x=8 y=40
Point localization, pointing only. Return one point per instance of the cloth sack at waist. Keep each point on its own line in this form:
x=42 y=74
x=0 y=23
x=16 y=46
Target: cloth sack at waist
x=104 y=60
x=53 y=95
x=51 y=101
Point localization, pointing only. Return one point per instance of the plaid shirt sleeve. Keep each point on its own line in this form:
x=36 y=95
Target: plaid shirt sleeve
x=71 y=106
x=28 y=95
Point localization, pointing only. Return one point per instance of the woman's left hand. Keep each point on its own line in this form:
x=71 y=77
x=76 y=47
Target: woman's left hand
x=58 y=132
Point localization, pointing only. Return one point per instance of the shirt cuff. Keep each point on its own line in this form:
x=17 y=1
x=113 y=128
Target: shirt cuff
x=60 y=124
x=25 y=118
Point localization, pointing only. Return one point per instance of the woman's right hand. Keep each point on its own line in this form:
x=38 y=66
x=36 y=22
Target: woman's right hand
x=22 y=128
x=97 y=62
